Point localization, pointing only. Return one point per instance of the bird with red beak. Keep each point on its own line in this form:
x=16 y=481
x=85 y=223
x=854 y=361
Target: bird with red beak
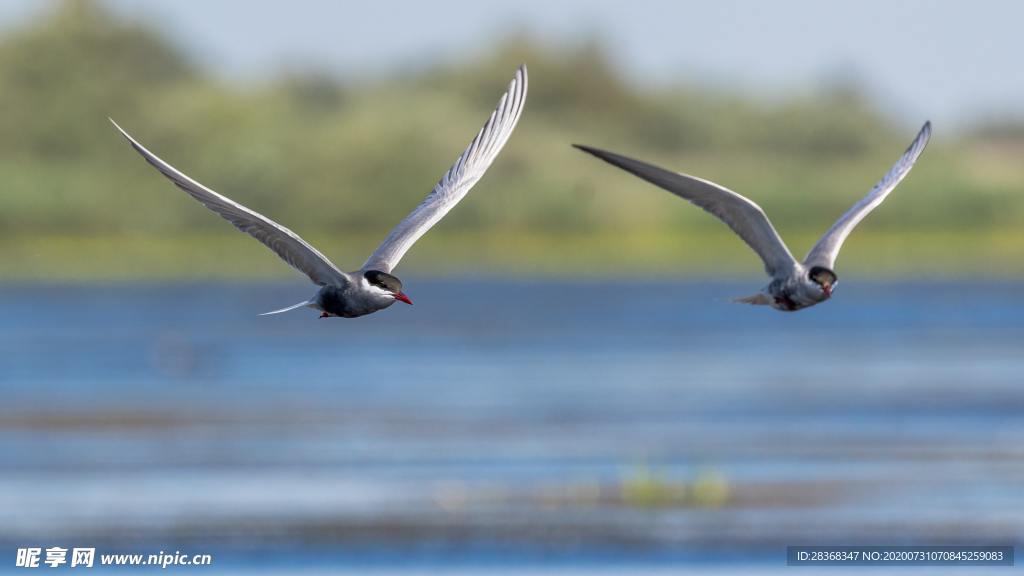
x=372 y=287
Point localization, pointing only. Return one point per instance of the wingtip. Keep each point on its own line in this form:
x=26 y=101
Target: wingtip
x=923 y=136
x=520 y=77
x=121 y=130
x=523 y=78
x=595 y=152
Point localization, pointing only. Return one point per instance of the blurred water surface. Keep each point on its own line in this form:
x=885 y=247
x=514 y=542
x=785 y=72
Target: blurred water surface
x=510 y=421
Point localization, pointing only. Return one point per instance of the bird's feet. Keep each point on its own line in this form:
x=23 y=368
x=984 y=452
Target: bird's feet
x=324 y=315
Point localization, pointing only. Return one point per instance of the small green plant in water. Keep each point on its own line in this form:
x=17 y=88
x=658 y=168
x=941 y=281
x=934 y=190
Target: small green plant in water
x=644 y=487
x=710 y=489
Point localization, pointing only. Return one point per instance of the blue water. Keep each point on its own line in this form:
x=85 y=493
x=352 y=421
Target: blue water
x=501 y=422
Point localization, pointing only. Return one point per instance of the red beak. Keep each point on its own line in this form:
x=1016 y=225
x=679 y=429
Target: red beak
x=401 y=297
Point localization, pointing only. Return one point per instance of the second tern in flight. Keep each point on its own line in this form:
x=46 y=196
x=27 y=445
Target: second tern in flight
x=795 y=285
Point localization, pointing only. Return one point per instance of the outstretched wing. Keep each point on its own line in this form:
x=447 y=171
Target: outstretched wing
x=825 y=252
x=285 y=243
x=456 y=183
x=746 y=218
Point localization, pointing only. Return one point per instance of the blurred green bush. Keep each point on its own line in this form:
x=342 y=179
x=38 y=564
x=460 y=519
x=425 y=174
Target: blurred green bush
x=342 y=160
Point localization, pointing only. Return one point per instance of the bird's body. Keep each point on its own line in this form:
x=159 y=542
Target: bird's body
x=372 y=287
x=350 y=301
x=793 y=292
x=794 y=285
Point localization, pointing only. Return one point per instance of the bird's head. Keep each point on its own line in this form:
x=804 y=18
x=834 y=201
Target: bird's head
x=386 y=285
x=824 y=278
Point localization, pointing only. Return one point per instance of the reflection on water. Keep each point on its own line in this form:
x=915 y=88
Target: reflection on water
x=504 y=420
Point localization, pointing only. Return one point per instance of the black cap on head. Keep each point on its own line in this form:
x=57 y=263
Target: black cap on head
x=383 y=280
x=822 y=275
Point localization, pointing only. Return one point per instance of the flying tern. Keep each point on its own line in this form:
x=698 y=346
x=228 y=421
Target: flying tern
x=373 y=287
x=794 y=285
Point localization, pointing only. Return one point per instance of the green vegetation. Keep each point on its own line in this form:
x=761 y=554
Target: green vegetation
x=341 y=160
x=648 y=488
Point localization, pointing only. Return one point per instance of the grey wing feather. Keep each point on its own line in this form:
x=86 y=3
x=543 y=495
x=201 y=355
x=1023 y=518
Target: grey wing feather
x=746 y=218
x=825 y=252
x=285 y=243
x=456 y=183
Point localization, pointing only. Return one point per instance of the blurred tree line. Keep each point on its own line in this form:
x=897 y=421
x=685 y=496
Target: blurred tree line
x=342 y=160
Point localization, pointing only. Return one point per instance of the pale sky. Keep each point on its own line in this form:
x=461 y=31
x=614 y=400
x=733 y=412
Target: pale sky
x=948 y=61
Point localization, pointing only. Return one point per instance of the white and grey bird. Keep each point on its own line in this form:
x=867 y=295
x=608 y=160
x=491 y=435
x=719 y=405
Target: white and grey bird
x=794 y=285
x=372 y=287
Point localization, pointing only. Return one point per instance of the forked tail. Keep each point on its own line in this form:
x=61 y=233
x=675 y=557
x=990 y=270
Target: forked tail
x=759 y=299
x=292 y=307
